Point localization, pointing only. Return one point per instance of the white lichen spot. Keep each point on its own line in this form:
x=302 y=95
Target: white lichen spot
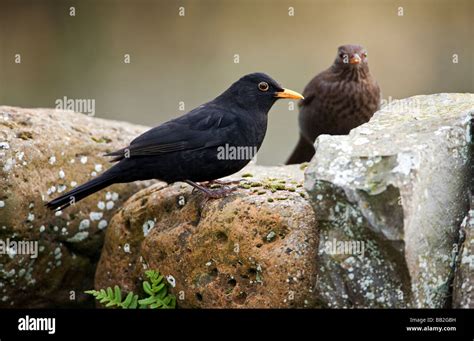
x=58 y=213
x=98 y=167
x=102 y=224
x=61 y=188
x=78 y=237
x=51 y=190
x=108 y=196
x=110 y=205
x=83 y=160
x=9 y=164
x=4 y=145
x=94 y=173
x=115 y=196
x=2 y=203
x=73 y=184
x=147 y=227
x=95 y=215
x=171 y=280
x=126 y=248
x=84 y=224
x=101 y=205
x=61 y=174
x=20 y=155
x=31 y=217
x=42 y=228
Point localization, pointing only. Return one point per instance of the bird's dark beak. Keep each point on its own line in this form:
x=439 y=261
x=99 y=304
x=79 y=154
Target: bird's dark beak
x=355 y=59
x=286 y=93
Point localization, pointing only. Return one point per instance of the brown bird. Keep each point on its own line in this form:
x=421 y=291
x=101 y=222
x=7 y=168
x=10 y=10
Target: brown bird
x=336 y=100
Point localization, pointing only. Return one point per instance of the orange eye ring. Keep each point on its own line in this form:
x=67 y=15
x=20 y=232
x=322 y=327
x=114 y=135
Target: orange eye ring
x=263 y=86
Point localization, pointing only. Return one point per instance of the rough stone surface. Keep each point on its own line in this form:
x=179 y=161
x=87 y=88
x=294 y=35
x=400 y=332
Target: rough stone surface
x=463 y=291
x=254 y=248
x=43 y=153
x=399 y=184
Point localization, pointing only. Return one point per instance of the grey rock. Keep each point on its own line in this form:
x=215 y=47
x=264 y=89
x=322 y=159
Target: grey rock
x=399 y=185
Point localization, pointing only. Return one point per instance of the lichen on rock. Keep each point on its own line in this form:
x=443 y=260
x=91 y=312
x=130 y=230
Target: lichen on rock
x=399 y=183
x=238 y=251
x=43 y=153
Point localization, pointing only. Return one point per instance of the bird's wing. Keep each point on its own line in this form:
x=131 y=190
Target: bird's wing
x=201 y=128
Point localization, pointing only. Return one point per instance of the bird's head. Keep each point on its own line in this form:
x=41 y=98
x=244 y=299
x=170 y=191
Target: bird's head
x=351 y=56
x=258 y=91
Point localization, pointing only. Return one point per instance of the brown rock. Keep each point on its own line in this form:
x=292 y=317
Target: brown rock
x=44 y=152
x=254 y=248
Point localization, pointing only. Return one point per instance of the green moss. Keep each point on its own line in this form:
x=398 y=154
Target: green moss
x=247 y=175
x=304 y=165
x=102 y=139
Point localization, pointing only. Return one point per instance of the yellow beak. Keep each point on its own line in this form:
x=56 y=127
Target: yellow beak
x=286 y=93
x=355 y=59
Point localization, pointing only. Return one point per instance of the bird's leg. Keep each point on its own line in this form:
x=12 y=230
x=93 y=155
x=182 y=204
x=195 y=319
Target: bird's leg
x=214 y=194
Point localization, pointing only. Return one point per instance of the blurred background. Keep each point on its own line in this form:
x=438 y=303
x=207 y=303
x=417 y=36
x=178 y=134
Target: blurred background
x=191 y=58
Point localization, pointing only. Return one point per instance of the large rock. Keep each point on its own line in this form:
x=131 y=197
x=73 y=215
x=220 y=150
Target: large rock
x=43 y=153
x=254 y=248
x=395 y=190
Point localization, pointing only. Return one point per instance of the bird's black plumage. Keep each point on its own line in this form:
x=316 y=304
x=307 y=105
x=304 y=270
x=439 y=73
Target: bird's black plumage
x=187 y=148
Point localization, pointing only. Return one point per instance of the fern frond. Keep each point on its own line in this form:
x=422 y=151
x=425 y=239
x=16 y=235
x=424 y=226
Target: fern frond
x=156 y=289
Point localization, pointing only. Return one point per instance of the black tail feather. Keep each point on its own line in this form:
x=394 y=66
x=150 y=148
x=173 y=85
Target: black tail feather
x=81 y=192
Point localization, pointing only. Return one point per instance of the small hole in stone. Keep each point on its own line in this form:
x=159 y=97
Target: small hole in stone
x=232 y=282
x=240 y=298
x=252 y=271
x=259 y=245
x=221 y=237
x=199 y=296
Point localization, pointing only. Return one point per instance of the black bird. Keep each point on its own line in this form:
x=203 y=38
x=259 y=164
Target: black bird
x=336 y=100
x=191 y=148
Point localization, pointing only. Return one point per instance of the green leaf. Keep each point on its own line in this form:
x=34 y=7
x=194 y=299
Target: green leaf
x=157 y=291
x=147 y=288
x=134 y=303
x=158 y=288
x=148 y=300
x=118 y=294
x=128 y=300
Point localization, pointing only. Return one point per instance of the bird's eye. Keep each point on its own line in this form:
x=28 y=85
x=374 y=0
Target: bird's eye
x=342 y=55
x=364 y=54
x=263 y=86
